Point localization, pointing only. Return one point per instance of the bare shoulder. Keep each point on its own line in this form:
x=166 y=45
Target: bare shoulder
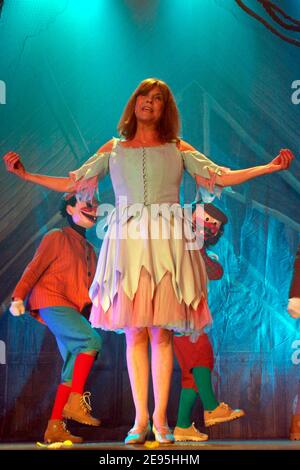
x=107 y=147
x=183 y=145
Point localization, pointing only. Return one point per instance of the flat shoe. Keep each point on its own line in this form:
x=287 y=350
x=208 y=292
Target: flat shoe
x=163 y=434
x=137 y=437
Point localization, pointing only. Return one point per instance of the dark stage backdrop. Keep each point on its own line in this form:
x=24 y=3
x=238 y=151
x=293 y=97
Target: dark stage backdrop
x=66 y=73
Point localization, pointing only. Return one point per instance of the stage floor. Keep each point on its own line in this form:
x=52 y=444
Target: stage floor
x=280 y=444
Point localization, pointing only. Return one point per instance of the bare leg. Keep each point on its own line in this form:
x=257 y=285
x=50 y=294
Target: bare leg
x=138 y=370
x=162 y=367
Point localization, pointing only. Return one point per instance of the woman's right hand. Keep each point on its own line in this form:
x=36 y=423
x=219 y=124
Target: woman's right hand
x=282 y=161
x=14 y=165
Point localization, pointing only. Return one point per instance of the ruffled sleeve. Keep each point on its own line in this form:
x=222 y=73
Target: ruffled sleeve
x=206 y=171
x=86 y=177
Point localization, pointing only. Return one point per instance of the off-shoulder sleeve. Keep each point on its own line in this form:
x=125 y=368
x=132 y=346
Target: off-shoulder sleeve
x=86 y=177
x=206 y=171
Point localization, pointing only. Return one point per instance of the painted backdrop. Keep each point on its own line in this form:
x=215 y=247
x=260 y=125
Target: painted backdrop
x=67 y=70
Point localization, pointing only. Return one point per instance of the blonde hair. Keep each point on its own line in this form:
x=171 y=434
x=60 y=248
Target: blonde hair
x=169 y=124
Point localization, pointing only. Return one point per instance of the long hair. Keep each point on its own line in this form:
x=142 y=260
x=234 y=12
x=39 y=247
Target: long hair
x=169 y=124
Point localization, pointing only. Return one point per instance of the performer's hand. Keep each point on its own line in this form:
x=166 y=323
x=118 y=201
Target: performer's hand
x=17 y=308
x=282 y=161
x=294 y=307
x=14 y=165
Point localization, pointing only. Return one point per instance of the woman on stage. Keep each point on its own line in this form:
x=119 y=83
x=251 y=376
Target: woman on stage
x=150 y=281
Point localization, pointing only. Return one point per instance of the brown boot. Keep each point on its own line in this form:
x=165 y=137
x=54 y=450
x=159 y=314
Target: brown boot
x=57 y=432
x=78 y=408
x=221 y=414
x=295 y=428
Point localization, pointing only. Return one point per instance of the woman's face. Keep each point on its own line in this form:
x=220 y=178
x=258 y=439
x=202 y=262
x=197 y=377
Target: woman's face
x=149 y=107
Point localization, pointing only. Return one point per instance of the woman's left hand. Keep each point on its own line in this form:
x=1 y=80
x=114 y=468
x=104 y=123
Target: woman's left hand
x=282 y=161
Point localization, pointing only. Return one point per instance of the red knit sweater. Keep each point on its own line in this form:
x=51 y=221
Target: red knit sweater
x=60 y=272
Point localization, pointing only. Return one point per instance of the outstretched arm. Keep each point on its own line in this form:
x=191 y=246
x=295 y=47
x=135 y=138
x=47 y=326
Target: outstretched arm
x=198 y=165
x=233 y=177
x=14 y=165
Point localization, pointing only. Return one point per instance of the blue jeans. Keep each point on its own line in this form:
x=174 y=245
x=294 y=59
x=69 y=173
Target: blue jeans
x=73 y=334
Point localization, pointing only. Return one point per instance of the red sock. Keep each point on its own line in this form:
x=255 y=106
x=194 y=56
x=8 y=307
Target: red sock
x=61 y=398
x=82 y=367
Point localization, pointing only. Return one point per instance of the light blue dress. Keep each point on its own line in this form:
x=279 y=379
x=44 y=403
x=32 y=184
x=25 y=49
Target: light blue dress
x=150 y=272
